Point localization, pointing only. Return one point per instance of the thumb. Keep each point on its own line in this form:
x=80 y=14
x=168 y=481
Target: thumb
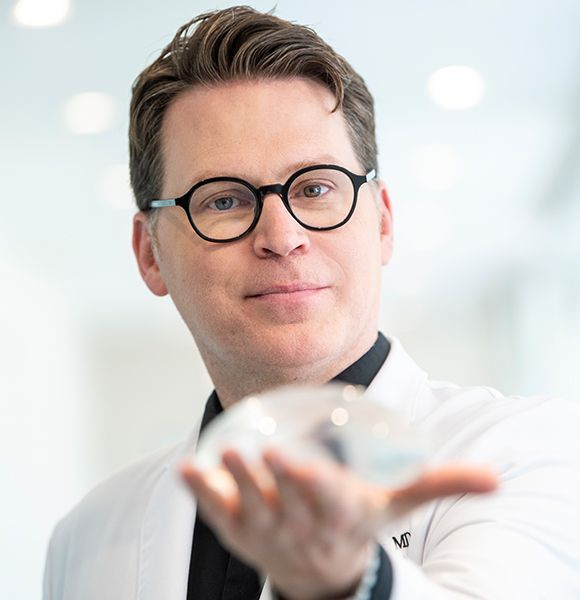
x=439 y=483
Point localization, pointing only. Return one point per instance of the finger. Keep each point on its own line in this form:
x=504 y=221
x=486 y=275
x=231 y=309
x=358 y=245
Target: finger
x=256 y=504
x=295 y=513
x=446 y=481
x=217 y=508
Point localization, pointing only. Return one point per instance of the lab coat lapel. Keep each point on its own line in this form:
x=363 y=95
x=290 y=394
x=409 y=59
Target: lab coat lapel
x=167 y=534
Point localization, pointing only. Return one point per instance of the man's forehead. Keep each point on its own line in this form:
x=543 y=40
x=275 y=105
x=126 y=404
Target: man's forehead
x=255 y=109
x=266 y=129
x=265 y=88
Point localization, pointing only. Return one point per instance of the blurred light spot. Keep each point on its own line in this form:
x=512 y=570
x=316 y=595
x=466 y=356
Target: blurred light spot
x=41 y=13
x=350 y=393
x=456 y=87
x=116 y=187
x=438 y=167
x=380 y=429
x=339 y=416
x=89 y=112
x=267 y=426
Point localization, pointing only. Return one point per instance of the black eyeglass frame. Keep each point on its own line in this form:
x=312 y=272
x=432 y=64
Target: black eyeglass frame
x=280 y=189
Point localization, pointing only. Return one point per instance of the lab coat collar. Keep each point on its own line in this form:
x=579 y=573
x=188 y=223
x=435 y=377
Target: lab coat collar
x=398 y=383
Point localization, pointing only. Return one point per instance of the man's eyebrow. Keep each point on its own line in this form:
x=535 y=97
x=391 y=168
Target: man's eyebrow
x=322 y=159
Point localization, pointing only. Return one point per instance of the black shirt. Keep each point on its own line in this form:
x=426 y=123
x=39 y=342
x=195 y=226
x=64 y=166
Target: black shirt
x=214 y=573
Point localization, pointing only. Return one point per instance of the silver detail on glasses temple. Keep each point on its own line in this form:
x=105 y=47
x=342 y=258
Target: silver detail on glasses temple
x=161 y=203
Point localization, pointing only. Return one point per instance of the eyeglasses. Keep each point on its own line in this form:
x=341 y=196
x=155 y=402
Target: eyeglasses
x=224 y=209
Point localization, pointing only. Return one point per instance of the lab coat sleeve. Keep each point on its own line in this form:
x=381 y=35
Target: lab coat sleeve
x=47 y=580
x=54 y=565
x=522 y=541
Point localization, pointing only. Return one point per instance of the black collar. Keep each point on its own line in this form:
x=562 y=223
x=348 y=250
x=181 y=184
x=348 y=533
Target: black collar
x=364 y=370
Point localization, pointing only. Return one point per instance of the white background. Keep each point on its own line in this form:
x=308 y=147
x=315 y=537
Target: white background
x=484 y=287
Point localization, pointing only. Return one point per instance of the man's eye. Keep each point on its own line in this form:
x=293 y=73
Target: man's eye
x=224 y=204
x=314 y=190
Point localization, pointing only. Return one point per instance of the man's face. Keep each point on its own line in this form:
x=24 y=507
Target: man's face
x=243 y=301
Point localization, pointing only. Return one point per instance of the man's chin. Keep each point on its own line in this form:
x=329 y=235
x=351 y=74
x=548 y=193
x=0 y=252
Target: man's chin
x=297 y=343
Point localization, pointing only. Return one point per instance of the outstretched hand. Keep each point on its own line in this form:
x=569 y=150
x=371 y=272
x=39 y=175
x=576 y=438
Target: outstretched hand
x=311 y=528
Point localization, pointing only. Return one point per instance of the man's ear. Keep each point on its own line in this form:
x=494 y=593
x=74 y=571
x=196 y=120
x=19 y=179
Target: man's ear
x=386 y=223
x=143 y=249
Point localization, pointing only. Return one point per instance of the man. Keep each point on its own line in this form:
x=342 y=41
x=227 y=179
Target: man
x=253 y=162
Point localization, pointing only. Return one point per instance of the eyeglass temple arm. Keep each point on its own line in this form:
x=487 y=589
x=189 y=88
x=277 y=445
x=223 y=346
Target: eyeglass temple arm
x=371 y=175
x=161 y=203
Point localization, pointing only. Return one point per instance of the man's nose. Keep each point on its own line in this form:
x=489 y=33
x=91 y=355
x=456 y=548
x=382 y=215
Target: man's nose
x=277 y=232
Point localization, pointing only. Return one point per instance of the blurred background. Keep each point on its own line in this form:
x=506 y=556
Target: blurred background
x=478 y=108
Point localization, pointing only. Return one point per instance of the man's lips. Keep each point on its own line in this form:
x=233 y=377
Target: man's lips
x=287 y=289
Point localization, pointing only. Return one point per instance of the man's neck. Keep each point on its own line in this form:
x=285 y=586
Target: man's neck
x=233 y=385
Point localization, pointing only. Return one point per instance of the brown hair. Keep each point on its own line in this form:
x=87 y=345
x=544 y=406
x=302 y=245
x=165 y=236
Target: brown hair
x=238 y=43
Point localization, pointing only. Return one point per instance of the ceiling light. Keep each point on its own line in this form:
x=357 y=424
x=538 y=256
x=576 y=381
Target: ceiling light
x=89 y=112
x=41 y=13
x=456 y=87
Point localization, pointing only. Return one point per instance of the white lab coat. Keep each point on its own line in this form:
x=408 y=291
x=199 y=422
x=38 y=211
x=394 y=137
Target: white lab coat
x=130 y=538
